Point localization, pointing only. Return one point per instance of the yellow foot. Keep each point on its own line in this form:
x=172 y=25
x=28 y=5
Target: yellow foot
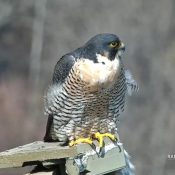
x=81 y=140
x=100 y=138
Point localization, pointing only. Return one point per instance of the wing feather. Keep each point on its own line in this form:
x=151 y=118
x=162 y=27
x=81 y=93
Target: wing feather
x=62 y=68
x=132 y=85
x=61 y=71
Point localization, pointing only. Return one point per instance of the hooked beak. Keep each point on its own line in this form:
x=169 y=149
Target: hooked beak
x=122 y=47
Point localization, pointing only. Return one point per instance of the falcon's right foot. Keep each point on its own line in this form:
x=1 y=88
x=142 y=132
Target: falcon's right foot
x=100 y=137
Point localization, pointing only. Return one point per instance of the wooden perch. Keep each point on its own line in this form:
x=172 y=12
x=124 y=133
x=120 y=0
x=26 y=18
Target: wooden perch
x=63 y=158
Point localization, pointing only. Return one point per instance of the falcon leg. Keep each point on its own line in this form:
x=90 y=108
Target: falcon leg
x=81 y=140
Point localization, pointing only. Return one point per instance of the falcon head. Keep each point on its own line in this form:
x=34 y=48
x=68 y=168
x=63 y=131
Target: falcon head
x=99 y=62
x=105 y=45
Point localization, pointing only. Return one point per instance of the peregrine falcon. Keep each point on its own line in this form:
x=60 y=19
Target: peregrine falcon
x=88 y=92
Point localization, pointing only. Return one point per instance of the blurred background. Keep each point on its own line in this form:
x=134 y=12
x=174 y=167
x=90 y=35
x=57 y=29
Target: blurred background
x=34 y=34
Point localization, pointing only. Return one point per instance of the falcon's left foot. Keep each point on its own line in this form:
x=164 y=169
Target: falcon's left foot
x=81 y=140
x=100 y=138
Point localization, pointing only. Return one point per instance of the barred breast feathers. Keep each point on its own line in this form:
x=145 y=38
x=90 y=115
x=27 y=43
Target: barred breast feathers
x=94 y=77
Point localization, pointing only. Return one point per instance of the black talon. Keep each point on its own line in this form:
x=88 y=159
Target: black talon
x=101 y=152
x=116 y=144
x=93 y=147
x=119 y=147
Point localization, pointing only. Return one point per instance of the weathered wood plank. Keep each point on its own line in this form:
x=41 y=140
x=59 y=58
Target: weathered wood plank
x=75 y=159
x=37 y=151
x=41 y=173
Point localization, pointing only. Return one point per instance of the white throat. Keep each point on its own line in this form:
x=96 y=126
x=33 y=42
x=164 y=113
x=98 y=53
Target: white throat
x=114 y=64
x=104 y=71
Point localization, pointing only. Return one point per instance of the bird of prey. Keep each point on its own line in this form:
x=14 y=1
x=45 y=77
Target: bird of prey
x=88 y=92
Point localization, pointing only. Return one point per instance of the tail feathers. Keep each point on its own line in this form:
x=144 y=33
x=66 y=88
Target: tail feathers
x=47 y=137
x=129 y=169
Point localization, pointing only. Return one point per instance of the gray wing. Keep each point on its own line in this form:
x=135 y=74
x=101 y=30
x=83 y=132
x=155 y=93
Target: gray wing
x=62 y=68
x=132 y=85
x=61 y=71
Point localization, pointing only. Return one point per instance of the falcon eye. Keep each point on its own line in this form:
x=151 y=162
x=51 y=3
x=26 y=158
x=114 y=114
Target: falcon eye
x=115 y=44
